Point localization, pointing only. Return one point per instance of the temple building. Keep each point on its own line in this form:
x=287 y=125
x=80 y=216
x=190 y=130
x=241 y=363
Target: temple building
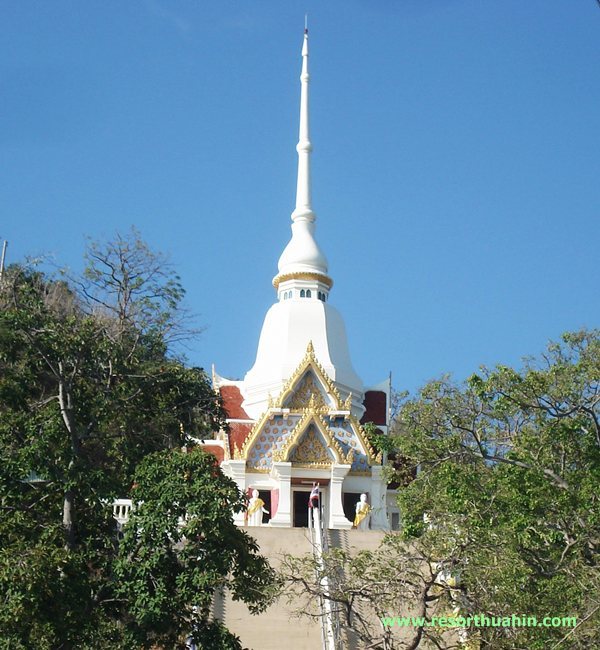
x=296 y=419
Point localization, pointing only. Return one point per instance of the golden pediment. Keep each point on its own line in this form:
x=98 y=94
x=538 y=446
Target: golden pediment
x=322 y=385
x=311 y=450
x=307 y=395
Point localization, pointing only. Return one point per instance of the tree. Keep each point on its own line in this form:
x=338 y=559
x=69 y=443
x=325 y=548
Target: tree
x=369 y=590
x=135 y=288
x=509 y=469
x=180 y=546
x=84 y=398
x=500 y=506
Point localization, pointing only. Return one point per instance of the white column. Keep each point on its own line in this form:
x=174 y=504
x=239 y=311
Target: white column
x=282 y=472
x=236 y=469
x=337 y=518
x=379 y=519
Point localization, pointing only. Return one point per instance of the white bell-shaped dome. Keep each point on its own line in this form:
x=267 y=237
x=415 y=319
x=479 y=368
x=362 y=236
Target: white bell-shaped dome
x=288 y=328
x=302 y=254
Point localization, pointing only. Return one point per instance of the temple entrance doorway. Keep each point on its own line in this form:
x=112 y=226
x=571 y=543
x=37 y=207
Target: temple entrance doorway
x=265 y=495
x=350 y=500
x=300 y=517
x=300 y=496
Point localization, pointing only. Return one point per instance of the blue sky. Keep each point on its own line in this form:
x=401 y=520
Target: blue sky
x=456 y=173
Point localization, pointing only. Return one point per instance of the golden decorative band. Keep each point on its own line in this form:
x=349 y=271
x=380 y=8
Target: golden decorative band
x=303 y=275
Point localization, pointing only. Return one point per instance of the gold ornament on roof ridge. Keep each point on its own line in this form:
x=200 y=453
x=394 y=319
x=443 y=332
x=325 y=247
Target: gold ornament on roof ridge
x=283 y=452
x=334 y=444
x=364 y=440
x=258 y=425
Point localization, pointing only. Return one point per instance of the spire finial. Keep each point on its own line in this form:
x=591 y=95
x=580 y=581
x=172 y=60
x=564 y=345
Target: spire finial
x=303 y=209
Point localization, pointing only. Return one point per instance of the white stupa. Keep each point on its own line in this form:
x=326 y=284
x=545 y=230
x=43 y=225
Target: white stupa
x=295 y=419
x=302 y=313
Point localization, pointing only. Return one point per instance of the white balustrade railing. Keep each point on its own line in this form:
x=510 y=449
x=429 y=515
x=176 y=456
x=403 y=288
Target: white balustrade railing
x=121 y=511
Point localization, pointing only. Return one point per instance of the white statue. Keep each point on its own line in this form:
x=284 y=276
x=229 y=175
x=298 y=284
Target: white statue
x=362 y=518
x=256 y=507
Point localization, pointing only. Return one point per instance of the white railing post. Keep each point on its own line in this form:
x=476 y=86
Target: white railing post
x=121 y=510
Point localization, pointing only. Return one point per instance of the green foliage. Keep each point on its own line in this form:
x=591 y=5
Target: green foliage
x=87 y=392
x=181 y=544
x=501 y=517
x=509 y=469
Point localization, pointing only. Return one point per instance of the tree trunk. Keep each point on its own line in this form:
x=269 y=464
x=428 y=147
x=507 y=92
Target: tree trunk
x=68 y=520
x=66 y=411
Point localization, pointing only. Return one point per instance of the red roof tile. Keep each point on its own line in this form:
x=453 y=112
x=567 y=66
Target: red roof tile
x=216 y=450
x=232 y=401
x=376 y=404
x=238 y=433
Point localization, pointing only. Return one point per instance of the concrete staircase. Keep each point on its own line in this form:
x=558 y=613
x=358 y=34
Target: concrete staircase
x=359 y=540
x=277 y=628
x=353 y=541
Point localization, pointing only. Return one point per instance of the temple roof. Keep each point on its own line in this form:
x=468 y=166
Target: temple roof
x=232 y=402
x=376 y=408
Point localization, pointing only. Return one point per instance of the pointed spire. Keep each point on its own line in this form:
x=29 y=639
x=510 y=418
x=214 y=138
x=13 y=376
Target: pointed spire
x=303 y=254
x=302 y=316
x=303 y=209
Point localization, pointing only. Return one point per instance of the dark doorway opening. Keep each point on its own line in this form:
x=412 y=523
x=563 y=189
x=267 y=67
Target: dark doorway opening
x=265 y=495
x=350 y=501
x=301 y=509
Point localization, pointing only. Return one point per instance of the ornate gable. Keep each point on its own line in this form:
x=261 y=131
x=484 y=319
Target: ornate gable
x=310 y=435
x=309 y=380
x=308 y=425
